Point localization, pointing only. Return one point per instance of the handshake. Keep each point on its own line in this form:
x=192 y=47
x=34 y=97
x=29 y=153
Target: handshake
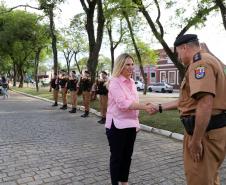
x=152 y=109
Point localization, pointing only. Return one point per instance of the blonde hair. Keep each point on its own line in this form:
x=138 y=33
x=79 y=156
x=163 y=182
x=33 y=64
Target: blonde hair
x=119 y=64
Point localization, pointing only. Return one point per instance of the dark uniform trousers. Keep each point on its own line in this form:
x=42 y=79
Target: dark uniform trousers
x=121 y=142
x=214 y=150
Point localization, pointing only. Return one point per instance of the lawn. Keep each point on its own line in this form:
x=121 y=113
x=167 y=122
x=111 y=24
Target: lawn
x=167 y=120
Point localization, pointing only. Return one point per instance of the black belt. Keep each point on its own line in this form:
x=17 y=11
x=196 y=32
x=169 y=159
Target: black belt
x=216 y=121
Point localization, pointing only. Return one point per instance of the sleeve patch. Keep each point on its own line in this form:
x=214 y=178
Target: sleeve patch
x=200 y=72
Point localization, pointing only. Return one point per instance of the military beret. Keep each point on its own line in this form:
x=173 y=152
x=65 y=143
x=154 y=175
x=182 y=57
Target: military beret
x=87 y=72
x=183 y=39
x=104 y=72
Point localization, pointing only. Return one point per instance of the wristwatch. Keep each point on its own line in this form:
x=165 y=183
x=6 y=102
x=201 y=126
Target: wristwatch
x=160 y=108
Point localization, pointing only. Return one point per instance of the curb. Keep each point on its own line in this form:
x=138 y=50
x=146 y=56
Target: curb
x=145 y=128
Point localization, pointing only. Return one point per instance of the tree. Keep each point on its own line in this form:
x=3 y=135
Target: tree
x=94 y=42
x=157 y=28
x=40 y=42
x=80 y=65
x=16 y=36
x=22 y=36
x=103 y=64
x=67 y=51
x=220 y=5
x=74 y=40
x=48 y=7
x=115 y=26
x=5 y=65
x=136 y=49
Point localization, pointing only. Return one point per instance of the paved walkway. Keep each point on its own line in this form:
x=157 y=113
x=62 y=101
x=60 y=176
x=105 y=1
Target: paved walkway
x=44 y=145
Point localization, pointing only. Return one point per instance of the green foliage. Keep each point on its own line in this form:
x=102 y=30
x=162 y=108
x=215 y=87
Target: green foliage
x=148 y=56
x=104 y=63
x=21 y=35
x=5 y=64
x=82 y=64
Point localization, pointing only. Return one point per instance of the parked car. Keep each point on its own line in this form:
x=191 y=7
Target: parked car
x=139 y=85
x=29 y=81
x=45 y=82
x=160 y=87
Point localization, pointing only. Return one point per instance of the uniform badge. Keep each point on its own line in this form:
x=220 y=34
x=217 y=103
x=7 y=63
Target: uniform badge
x=199 y=72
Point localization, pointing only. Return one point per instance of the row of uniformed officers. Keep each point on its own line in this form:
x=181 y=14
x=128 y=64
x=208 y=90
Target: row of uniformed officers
x=80 y=86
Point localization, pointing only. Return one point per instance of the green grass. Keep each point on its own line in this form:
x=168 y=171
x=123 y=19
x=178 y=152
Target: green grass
x=168 y=120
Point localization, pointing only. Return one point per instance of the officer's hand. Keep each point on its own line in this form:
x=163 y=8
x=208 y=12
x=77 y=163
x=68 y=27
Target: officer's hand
x=196 y=150
x=151 y=108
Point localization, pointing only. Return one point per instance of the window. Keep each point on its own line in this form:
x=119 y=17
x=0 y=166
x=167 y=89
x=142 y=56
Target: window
x=178 y=77
x=172 y=77
x=152 y=75
x=162 y=76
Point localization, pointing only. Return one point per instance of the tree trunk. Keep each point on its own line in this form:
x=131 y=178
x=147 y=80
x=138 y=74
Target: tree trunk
x=112 y=50
x=222 y=7
x=76 y=62
x=112 y=58
x=94 y=44
x=68 y=57
x=172 y=55
x=54 y=38
x=136 y=50
x=37 y=56
x=21 y=76
x=14 y=74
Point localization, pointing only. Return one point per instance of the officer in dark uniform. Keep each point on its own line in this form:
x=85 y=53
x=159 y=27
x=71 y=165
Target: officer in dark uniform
x=85 y=86
x=103 y=96
x=72 y=86
x=202 y=108
x=54 y=84
x=63 y=87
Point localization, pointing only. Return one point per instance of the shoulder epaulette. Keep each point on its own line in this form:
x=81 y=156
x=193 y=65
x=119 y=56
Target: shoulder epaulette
x=197 y=57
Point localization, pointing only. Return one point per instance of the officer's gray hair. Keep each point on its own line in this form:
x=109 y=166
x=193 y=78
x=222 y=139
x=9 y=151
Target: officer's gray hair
x=194 y=44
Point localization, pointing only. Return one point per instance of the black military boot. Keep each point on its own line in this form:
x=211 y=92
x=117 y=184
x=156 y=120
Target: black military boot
x=102 y=121
x=73 y=110
x=86 y=114
x=64 y=107
x=55 y=104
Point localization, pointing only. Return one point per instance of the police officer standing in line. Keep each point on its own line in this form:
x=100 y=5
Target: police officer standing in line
x=54 y=84
x=103 y=96
x=63 y=86
x=72 y=86
x=202 y=108
x=85 y=87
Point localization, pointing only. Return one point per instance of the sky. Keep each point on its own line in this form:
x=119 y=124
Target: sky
x=213 y=34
